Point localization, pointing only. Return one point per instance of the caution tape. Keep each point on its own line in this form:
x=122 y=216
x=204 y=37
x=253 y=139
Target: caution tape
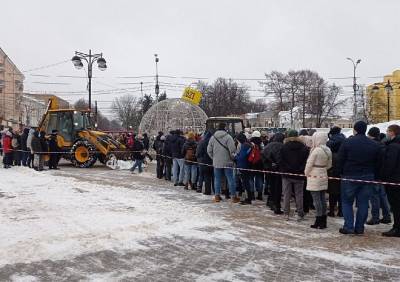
x=235 y=168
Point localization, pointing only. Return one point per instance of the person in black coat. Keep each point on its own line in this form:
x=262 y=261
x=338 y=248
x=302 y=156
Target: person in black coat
x=24 y=148
x=168 y=156
x=293 y=159
x=146 y=144
x=54 y=150
x=175 y=146
x=205 y=163
x=336 y=138
x=358 y=159
x=158 y=146
x=271 y=157
x=138 y=154
x=37 y=151
x=390 y=172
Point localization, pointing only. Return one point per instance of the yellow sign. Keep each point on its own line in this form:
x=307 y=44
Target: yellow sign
x=192 y=96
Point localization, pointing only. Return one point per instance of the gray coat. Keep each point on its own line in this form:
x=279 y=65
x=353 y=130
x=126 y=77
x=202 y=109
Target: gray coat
x=218 y=153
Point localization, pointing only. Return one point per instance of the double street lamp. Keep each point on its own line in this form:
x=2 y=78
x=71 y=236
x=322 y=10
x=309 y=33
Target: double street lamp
x=355 y=86
x=90 y=59
x=389 y=91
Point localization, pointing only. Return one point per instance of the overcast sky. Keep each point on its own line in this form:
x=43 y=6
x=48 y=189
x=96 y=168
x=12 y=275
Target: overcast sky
x=208 y=38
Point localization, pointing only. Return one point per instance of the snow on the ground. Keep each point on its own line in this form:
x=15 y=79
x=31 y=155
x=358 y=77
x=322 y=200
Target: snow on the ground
x=45 y=216
x=49 y=217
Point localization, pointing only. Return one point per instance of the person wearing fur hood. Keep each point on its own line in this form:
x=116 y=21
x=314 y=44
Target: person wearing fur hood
x=318 y=163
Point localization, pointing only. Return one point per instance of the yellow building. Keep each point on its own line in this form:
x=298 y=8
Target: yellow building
x=383 y=99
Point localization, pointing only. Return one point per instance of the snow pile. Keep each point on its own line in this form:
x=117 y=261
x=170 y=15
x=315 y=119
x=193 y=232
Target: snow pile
x=49 y=217
x=382 y=127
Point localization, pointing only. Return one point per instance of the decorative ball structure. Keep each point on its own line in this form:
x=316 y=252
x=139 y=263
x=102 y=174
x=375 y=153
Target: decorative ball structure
x=171 y=114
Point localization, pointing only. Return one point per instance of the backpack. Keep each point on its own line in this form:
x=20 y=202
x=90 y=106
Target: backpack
x=190 y=154
x=255 y=155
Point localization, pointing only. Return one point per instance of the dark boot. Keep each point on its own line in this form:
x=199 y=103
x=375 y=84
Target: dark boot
x=392 y=233
x=247 y=201
x=322 y=224
x=317 y=222
x=186 y=186
x=259 y=196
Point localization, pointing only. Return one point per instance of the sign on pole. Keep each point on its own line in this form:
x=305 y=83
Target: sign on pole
x=192 y=96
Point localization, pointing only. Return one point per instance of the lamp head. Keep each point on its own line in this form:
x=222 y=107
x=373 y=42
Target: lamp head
x=76 y=60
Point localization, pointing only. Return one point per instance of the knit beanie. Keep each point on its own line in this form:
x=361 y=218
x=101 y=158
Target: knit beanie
x=374 y=132
x=292 y=133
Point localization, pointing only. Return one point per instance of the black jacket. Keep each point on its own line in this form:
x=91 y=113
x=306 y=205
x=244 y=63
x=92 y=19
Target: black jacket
x=359 y=156
x=158 y=146
x=294 y=156
x=53 y=145
x=201 y=151
x=36 y=145
x=175 y=146
x=24 y=138
x=390 y=170
x=138 y=150
x=334 y=143
x=167 y=146
x=271 y=155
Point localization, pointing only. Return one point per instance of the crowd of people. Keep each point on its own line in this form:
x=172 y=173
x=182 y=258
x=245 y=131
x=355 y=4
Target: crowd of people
x=363 y=169
x=29 y=147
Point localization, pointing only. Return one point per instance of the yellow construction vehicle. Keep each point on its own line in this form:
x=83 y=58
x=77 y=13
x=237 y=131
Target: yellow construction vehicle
x=79 y=141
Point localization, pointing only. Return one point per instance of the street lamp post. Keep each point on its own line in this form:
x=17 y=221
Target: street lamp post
x=90 y=59
x=157 y=88
x=355 y=87
x=389 y=90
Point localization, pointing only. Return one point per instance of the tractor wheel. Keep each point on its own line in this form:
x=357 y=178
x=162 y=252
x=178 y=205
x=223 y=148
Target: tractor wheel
x=83 y=154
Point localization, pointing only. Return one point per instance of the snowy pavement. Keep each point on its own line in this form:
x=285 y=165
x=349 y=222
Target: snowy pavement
x=108 y=225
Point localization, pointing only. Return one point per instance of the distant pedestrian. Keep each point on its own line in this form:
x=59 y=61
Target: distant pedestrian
x=138 y=154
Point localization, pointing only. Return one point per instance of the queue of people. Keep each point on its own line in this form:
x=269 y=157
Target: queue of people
x=248 y=167
x=29 y=147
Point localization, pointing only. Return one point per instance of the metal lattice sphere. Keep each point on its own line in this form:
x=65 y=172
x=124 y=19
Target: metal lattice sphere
x=173 y=114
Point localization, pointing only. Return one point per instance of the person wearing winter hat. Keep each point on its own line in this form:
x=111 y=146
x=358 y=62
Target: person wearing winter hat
x=358 y=159
x=378 y=199
x=336 y=138
x=293 y=159
x=256 y=164
x=318 y=163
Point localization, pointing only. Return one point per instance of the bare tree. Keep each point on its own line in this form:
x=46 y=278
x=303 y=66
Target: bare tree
x=276 y=86
x=225 y=97
x=128 y=111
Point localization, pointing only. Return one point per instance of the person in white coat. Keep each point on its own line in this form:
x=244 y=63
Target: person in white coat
x=318 y=163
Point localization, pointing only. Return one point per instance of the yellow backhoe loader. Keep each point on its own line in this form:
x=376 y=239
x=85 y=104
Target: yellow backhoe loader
x=79 y=141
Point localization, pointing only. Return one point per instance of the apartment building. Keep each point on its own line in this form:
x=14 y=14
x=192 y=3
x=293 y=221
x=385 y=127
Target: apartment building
x=11 y=88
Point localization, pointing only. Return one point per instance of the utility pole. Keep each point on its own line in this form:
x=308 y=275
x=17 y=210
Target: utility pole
x=355 y=88
x=141 y=93
x=95 y=112
x=157 y=88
